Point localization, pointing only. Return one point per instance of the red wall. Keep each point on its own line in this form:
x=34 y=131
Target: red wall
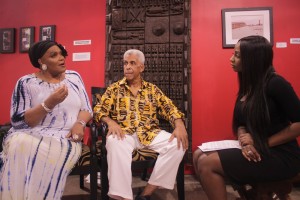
x=214 y=84
x=74 y=20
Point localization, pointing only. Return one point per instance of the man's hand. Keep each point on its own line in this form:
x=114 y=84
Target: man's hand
x=114 y=129
x=181 y=135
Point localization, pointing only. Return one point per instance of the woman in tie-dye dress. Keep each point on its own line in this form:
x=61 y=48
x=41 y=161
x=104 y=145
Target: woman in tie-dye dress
x=49 y=111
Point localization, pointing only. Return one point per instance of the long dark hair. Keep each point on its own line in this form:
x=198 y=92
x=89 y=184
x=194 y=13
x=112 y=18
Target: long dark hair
x=257 y=69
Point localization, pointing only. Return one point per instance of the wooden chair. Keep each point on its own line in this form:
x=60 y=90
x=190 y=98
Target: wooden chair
x=90 y=162
x=142 y=161
x=3 y=131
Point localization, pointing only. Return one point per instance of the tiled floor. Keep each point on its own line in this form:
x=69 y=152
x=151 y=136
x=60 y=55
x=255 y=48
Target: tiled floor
x=193 y=190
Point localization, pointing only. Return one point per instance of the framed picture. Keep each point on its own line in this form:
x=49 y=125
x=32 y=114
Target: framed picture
x=7 y=40
x=26 y=38
x=47 y=32
x=242 y=22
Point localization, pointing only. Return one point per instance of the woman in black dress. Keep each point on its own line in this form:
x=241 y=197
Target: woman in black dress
x=266 y=121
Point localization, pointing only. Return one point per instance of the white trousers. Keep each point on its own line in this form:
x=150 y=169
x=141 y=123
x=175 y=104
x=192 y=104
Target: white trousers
x=119 y=158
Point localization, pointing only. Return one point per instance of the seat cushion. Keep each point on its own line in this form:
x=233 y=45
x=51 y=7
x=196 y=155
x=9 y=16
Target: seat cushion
x=143 y=154
x=84 y=159
x=137 y=154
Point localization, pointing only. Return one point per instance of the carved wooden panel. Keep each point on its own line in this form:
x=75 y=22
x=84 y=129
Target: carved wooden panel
x=161 y=29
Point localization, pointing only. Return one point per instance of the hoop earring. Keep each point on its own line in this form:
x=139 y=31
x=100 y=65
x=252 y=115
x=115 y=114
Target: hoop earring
x=44 y=67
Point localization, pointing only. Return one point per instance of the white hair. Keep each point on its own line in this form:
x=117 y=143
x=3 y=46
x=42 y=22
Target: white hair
x=140 y=55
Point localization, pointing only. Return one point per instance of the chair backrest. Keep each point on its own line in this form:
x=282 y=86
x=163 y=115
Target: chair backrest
x=3 y=131
x=97 y=92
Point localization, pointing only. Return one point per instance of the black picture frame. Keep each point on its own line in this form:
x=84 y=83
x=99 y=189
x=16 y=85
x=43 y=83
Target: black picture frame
x=242 y=22
x=7 y=40
x=47 y=32
x=26 y=39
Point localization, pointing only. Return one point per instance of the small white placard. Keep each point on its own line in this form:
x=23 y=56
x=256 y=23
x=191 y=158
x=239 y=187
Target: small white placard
x=281 y=44
x=82 y=56
x=295 y=40
x=218 y=145
x=82 y=42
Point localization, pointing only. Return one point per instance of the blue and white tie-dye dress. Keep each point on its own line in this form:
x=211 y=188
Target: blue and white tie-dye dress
x=37 y=161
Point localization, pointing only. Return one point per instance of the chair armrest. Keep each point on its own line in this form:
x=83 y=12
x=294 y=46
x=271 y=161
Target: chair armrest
x=98 y=130
x=94 y=136
x=103 y=129
x=103 y=132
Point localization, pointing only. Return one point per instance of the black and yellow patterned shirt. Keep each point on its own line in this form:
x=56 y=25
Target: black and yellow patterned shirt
x=137 y=114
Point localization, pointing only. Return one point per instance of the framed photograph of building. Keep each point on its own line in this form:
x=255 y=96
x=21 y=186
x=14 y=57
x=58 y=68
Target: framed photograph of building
x=7 y=40
x=242 y=22
x=47 y=32
x=26 y=38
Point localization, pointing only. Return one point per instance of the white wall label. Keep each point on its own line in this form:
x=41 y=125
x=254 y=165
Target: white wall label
x=281 y=44
x=82 y=42
x=295 y=40
x=84 y=56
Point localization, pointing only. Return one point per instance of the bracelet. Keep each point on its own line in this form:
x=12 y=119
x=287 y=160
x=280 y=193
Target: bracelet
x=48 y=110
x=83 y=123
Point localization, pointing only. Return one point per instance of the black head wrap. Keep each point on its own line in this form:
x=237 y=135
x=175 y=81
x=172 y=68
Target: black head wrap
x=37 y=51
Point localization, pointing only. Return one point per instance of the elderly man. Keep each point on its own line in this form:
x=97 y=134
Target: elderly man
x=130 y=107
